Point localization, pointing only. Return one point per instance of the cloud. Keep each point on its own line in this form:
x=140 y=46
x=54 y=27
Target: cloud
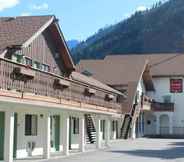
x=141 y=8
x=25 y=14
x=43 y=6
x=4 y=4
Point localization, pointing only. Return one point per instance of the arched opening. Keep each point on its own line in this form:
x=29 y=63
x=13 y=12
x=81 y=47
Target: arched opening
x=164 y=124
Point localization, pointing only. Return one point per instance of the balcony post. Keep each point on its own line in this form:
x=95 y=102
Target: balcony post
x=133 y=131
x=9 y=135
x=46 y=147
x=66 y=133
x=107 y=132
x=171 y=124
x=98 y=133
x=81 y=133
x=157 y=124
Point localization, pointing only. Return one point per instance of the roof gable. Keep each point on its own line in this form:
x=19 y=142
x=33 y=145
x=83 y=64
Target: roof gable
x=21 y=31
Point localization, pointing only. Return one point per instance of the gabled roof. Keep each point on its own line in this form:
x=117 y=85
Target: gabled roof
x=160 y=64
x=120 y=69
x=17 y=30
x=21 y=31
x=114 y=72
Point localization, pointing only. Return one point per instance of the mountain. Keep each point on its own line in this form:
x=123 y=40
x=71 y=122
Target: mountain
x=157 y=30
x=72 y=43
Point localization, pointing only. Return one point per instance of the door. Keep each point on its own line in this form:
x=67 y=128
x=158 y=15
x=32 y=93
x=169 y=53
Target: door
x=117 y=132
x=55 y=132
x=2 y=122
x=70 y=133
x=15 y=136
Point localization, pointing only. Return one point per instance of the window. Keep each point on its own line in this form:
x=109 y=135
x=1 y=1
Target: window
x=176 y=85
x=17 y=58
x=31 y=122
x=45 y=68
x=28 y=61
x=37 y=65
x=75 y=125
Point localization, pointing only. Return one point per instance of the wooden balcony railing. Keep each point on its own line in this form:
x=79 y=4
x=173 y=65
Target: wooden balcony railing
x=18 y=77
x=157 y=106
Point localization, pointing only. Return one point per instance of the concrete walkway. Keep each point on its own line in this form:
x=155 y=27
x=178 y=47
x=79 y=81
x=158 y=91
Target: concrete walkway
x=141 y=150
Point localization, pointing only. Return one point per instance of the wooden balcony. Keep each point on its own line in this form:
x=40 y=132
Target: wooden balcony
x=157 y=106
x=15 y=77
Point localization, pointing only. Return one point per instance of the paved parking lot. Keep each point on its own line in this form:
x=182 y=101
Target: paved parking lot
x=141 y=150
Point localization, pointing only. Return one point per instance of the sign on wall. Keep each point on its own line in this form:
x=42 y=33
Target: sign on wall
x=176 y=85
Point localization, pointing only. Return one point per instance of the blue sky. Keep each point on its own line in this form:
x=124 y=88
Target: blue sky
x=78 y=18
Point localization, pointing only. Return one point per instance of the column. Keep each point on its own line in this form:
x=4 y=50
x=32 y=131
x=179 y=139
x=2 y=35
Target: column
x=133 y=131
x=82 y=134
x=46 y=130
x=170 y=124
x=157 y=124
x=98 y=134
x=107 y=132
x=65 y=134
x=9 y=135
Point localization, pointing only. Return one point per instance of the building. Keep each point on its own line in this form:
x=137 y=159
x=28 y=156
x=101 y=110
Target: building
x=47 y=107
x=154 y=86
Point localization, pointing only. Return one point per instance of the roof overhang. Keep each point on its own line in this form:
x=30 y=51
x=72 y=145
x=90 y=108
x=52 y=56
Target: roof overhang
x=61 y=45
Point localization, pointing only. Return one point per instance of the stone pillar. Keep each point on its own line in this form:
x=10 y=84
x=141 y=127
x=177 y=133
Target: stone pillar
x=81 y=134
x=46 y=130
x=9 y=135
x=98 y=133
x=157 y=124
x=65 y=134
x=170 y=124
x=107 y=132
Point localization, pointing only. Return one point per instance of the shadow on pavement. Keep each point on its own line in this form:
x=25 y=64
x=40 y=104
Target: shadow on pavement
x=176 y=151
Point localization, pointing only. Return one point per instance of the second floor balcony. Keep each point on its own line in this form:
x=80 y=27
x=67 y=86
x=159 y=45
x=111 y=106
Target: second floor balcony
x=158 y=106
x=23 y=80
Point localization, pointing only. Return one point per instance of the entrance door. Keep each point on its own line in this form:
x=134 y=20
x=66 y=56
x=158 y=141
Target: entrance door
x=2 y=122
x=55 y=132
x=117 y=132
x=15 y=136
x=70 y=133
x=102 y=125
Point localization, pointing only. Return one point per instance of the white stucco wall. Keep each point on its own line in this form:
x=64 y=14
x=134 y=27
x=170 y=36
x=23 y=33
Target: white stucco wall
x=22 y=140
x=162 y=87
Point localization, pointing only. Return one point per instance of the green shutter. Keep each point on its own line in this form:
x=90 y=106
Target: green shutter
x=15 y=136
x=2 y=126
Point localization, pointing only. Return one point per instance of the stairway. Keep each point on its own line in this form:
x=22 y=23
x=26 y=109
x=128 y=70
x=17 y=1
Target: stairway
x=129 y=120
x=90 y=129
x=126 y=126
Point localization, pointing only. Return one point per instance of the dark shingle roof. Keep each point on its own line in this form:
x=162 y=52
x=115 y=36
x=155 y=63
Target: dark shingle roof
x=93 y=82
x=114 y=72
x=17 y=30
x=121 y=69
x=161 y=64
